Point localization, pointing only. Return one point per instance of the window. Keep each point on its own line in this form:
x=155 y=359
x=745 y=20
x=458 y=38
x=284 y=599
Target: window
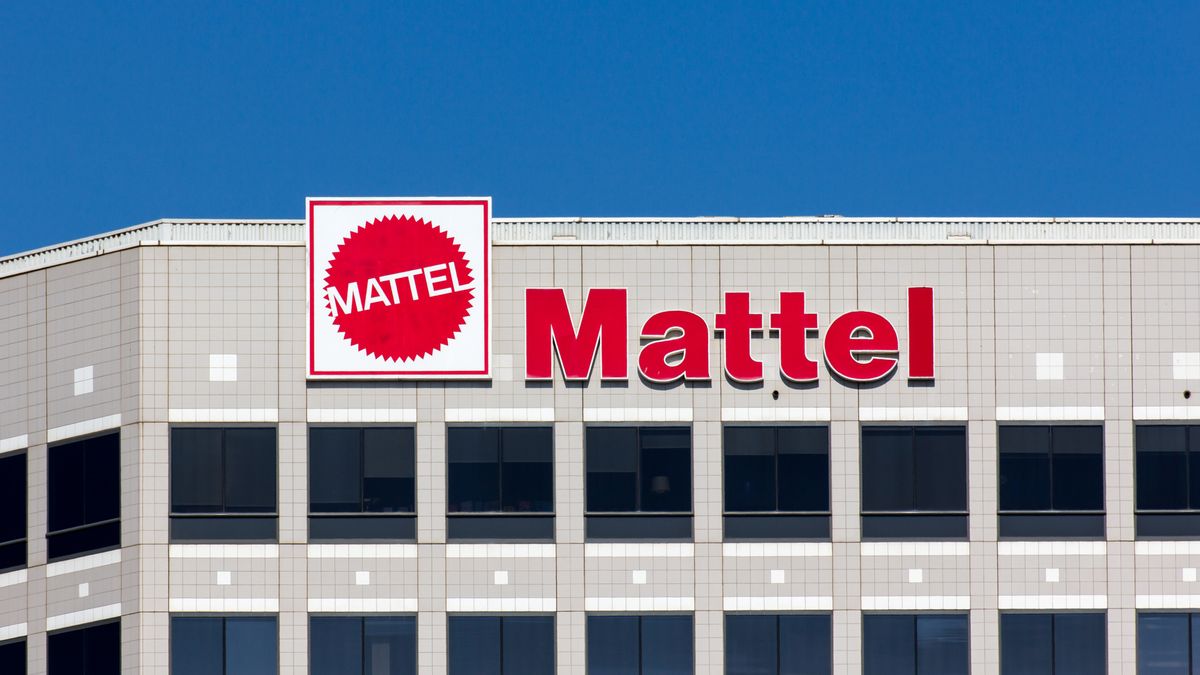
x=495 y=645
x=13 y=511
x=788 y=644
x=214 y=645
x=500 y=483
x=639 y=483
x=640 y=645
x=12 y=657
x=776 y=482
x=1051 y=481
x=1052 y=644
x=90 y=650
x=84 y=496
x=223 y=484
x=360 y=483
x=355 y=645
x=915 y=644
x=1168 y=480
x=1168 y=644
x=914 y=482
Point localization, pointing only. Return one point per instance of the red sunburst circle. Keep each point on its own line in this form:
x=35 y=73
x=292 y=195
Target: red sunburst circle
x=399 y=288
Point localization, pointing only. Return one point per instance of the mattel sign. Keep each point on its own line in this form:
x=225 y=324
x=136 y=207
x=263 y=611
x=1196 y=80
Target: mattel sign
x=399 y=288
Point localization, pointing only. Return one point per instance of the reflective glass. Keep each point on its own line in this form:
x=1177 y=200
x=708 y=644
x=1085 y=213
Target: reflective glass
x=197 y=645
x=942 y=645
x=1025 y=468
x=196 y=471
x=666 y=470
x=750 y=469
x=473 y=481
x=251 y=646
x=250 y=470
x=887 y=469
x=667 y=645
x=1079 y=644
x=389 y=645
x=13 y=507
x=527 y=470
x=751 y=644
x=940 y=468
x=613 y=645
x=1162 y=644
x=612 y=469
x=91 y=650
x=528 y=645
x=336 y=645
x=1026 y=644
x=803 y=466
x=474 y=645
x=13 y=658
x=805 y=644
x=889 y=644
x=1162 y=467
x=389 y=463
x=1078 y=468
x=334 y=474
x=66 y=486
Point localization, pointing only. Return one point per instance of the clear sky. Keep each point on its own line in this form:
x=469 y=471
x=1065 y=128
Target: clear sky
x=115 y=113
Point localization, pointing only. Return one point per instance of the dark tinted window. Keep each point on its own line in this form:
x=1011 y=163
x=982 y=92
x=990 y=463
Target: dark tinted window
x=914 y=469
x=500 y=469
x=1051 y=468
x=84 y=496
x=508 y=645
x=1168 y=467
x=770 y=469
x=1168 y=644
x=12 y=657
x=921 y=644
x=91 y=650
x=224 y=646
x=1052 y=644
x=352 y=645
x=761 y=644
x=218 y=471
x=13 y=511
x=639 y=645
x=361 y=470
x=646 y=469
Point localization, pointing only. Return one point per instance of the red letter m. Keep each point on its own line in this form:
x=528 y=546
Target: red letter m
x=548 y=326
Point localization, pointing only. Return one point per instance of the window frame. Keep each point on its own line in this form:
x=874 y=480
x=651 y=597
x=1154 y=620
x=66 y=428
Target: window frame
x=1086 y=524
x=87 y=626
x=641 y=635
x=1053 y=616
x=778 y=621
x=501 y=618
x=500 y=427
x=507 y=526
x=915 y=523
x=776 y=525
x=224 y=515
x=1192 y=622
x=637 y=511
x=107 y=522
x=22 y=542
x=916 y=645
x=637 y=524
x=362 y=619
x=224 y=634
x=376 y=525
x=776 y=428
x=1150 y=523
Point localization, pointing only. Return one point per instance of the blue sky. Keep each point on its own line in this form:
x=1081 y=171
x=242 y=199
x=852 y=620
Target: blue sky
x=113 y=114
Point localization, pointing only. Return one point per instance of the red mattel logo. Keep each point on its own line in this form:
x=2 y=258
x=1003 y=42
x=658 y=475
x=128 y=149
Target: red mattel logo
x=399 y=288
x=859 y=346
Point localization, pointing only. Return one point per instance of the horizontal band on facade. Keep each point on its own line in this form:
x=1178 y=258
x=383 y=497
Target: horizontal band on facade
x=1166 y=548
x=81 y=617
x=775 y=414
x=1167 y=602
x=501 y=551
x=13 y=443
x=16 y=630
x=1053 y=602
x=637 y=414
x=883 y=603
x=223 y=605
x=224 y=551
x=915 y=548
x=1050 y=414
x=647 y=604
x=83 y=428
x=363 y=415
x=341 y=605
x=1166 y=412
x=86 y=562
x=777 y=550
x=355 y=551
x=200 y=415
x=501 y=604
x=630 y=550
x=913 y=414
x=803 y=603
x=499 y=414
x=13 y=578
x=1051 y=548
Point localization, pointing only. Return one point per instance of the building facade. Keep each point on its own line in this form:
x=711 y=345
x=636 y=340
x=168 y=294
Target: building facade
x=179 y=496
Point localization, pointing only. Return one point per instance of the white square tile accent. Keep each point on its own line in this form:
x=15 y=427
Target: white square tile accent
x=222 y=367
x=362 y=578
x=916 y=575
x=83 y=380
x=85 y=589
x=638 y=577
x=1185 y=365
x=500 y=577
x=778 y=576
x=1052 y=575
x=1049 y=365
x=1189 y=574
x=224 y=578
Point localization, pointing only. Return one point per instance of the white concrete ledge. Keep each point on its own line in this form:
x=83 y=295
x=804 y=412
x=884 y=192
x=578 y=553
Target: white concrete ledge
x=619 y=550
x=1166 y=548
x=913 y=414
x=914 y=548
x=1166 y=412
x=16 y=630
x=1167 y=602
x=86 y=562
x=1050 y=414
x=382 y=551
x=13 y=578
x=14 y=443
x=637 y=414
x=779 y=604
x=781 y=414
x=339 y=605
x=1047 y=548
x=500 y=604
x=777 y=550
x=363 y=415
x=185 y=415
x=499 y=414
x=83 y=428
x=659 y=604
x=501 y=551
x=223 y=605
x=223 y=551
x=1053 y=602
x=83 y=616
x=873 y=603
